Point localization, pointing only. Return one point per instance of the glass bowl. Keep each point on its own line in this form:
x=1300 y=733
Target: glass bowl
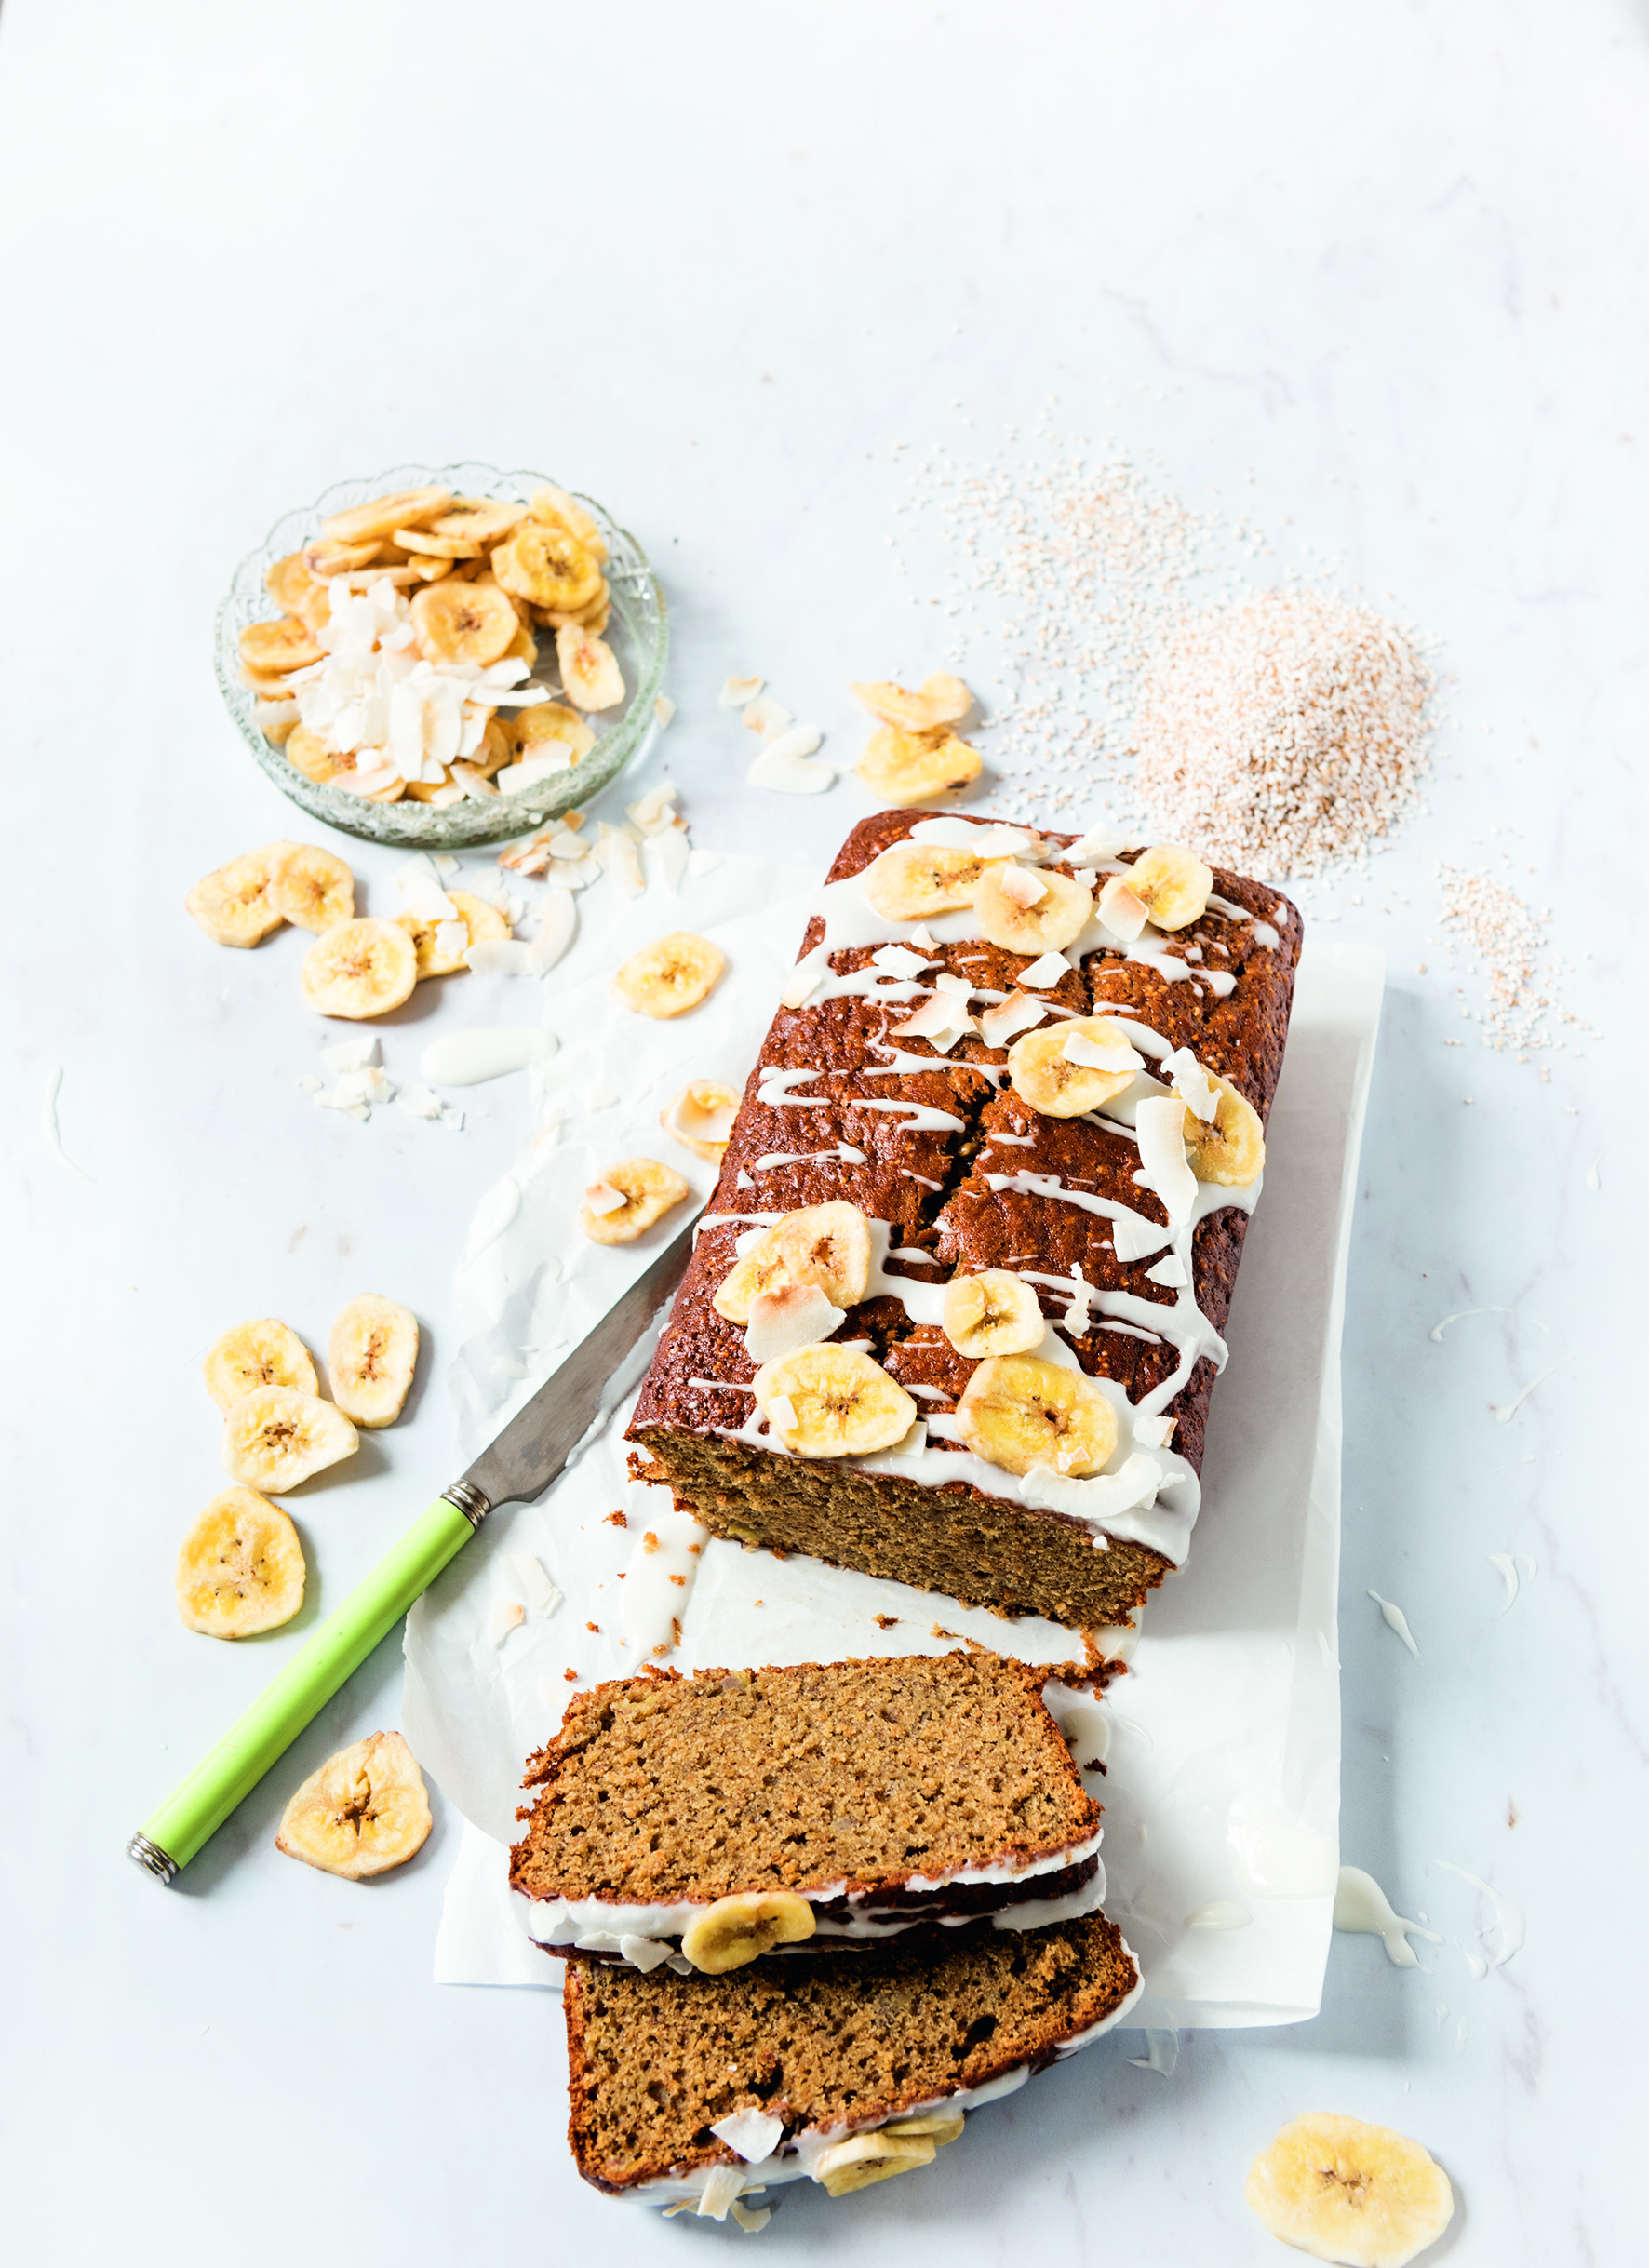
x=637 y=634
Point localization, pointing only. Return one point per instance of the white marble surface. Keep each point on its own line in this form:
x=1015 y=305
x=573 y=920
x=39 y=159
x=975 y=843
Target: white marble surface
x=713 y=263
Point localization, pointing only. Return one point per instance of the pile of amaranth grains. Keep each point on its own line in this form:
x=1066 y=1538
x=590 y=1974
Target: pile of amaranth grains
x=1284 y=732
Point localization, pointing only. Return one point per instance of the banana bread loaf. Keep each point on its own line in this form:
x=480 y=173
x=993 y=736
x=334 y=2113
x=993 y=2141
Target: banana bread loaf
x=715 y=1818
x=844 y=2069
x=954 y=1311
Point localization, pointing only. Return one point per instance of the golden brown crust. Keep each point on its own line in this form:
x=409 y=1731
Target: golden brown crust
x=932 y=1187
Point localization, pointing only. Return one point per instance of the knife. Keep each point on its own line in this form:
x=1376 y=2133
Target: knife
x=519 y=1466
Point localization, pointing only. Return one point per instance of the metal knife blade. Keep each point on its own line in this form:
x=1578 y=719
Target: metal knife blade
x=538 y=1440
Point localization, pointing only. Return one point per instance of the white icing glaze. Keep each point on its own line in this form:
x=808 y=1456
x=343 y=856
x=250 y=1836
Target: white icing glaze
x=466 y=1058
x=1362 y=1908
x=612 y=1925
x=658 y=1581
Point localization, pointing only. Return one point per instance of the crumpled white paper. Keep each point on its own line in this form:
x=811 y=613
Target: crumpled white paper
x=1221 y=1787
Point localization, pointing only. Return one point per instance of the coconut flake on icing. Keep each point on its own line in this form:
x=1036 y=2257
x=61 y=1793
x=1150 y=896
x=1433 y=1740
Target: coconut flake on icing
x=991 y=841
x=898 y=960
x=1163 y=1167
x=1047 y=970
x=1017 y=1013
x=1096 y=1055
x=754 y=2134
x=1191 y=1083
x=942 y=1020
x=1099 y=843
x=794 y=1315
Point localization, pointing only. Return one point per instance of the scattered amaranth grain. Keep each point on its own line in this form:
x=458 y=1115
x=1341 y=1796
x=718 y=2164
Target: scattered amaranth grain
x=1498 y=930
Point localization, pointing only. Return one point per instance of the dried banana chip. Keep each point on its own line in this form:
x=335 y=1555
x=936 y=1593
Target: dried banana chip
x=463 y=622
x=827 y=1401
x=701 y=1118
x=481 y=520
x=289 y=583
x=1345 y=2191
x=313 y=887
x=670 y=978
x=589 y=669
x=1230 y=1148
x=1172 y=883
x=628 y=1199
x=232 y=905
x=867 y=2158
x=370 y=1358
x=359 y=968
x=429 y=546
x=944 y=700
x=907 y=767
x=1018 y=1411
x=326 y=557
x=556 y=509
x=366 y=1810
x=551 y=720
x=548 y=566
x=735 y=1930
x=913 y=879
x=1074 y=1065
x=275 y=647
x=308 y=753
x=827 y=1247
x=263 y=1354
x=240 y=1568
x=275 y=1438
x=372 y=521
x=992 y=1312
x=1026 y=909
x=441 y=945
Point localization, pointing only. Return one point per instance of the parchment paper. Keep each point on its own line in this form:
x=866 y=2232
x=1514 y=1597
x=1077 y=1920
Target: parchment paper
x=1222 y=1786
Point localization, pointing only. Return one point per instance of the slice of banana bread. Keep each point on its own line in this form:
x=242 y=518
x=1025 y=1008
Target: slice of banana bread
x=714 y=1818
x=842 y=2069
x=1039 y=1063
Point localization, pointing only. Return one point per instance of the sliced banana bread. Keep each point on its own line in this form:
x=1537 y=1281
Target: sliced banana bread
x=708 y=1820
x=843 y=2069
x=957 y=1305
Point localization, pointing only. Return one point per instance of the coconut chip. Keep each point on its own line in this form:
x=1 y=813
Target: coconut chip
x=795 y=1315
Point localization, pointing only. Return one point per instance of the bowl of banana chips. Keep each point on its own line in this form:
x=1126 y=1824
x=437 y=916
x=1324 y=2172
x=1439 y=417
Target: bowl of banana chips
x=443 y=655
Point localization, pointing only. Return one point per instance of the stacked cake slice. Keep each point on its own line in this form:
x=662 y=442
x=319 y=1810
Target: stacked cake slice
x=810 y=1914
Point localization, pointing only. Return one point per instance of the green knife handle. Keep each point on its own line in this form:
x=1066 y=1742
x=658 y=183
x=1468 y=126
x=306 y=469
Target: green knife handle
x=195 y=1811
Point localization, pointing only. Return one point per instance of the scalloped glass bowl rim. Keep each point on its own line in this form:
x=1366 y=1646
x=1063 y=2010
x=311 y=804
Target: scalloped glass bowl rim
x=640 y=608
